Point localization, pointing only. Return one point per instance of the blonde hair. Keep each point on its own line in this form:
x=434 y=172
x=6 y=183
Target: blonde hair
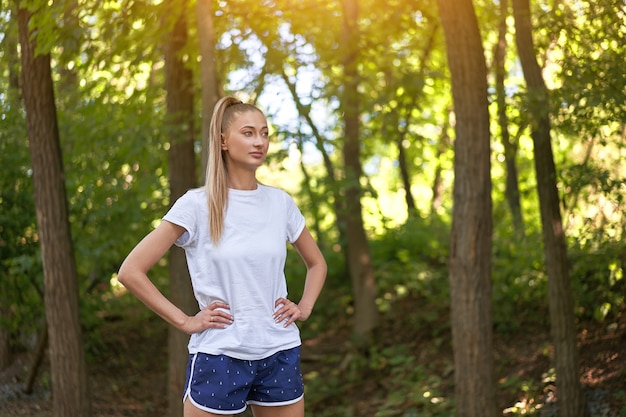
x=216 y=183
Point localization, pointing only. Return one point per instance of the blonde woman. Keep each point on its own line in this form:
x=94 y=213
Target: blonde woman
x=244 y=347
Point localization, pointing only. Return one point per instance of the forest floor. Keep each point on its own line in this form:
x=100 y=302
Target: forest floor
x=126 y=366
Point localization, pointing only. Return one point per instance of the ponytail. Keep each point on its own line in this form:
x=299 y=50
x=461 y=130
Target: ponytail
x=216 y=184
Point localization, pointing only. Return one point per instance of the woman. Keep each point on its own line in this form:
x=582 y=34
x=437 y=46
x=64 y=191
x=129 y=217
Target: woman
x=244 y=347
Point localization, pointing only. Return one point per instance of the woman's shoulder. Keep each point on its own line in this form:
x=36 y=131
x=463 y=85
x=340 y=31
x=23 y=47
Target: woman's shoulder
x=280 y=197
x=275 y=192
x=195 y=193
x=192 y=197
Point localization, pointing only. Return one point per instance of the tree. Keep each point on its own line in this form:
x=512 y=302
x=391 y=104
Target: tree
x=398 y=121
x=443 y=144
x=563 y=327
x=208 y=72
x=470 y=242
x=182 y=177
x=67 y=360
x=509 y=143
x=305 y=113
x=359 y=258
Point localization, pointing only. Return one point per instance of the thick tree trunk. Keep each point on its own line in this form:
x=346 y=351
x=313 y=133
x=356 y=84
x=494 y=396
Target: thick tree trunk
x=67 y=359
x=182 y=177
x=562 y=323
x=510 y=146
x=470 y=245
x=359 y=259
x=208 y=73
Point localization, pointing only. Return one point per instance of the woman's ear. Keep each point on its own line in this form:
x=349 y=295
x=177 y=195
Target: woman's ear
x=223 y=142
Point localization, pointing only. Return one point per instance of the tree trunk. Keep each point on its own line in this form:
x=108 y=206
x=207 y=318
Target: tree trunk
x=36 y=360
x=182 y=177
x=443 y=144
x=331 y=180
x=392 y=124
x=391 y=127
x=67 y=358
x=470 y=244
x=314 y=207
x=208 y=74
x=562 y=323
x=403 y=166
x=359 y=259
x=510 y=146
x=404 y=174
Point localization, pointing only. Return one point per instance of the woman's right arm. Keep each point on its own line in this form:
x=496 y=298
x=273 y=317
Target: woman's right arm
x=133 y=274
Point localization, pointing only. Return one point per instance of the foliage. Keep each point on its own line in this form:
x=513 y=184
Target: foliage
x=519 y=281
x=115 y=183
x=412 y=259
x=21 y=278
x=107 y=67
x=598 y=280
x=590 y=37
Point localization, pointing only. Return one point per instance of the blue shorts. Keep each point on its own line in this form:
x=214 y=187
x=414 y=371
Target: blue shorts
x=220 y=384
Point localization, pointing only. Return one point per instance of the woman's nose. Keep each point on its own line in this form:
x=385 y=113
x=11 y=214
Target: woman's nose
x=258 y=140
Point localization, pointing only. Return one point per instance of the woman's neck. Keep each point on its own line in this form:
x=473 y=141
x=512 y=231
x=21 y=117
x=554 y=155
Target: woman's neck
x=242 y=182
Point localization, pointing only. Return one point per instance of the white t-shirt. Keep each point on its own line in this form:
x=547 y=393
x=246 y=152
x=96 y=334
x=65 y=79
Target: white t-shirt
x=245 y=270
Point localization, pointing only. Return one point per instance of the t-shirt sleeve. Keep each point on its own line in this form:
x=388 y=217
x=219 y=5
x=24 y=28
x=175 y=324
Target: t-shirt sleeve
x=295 y=220
x=184 y=213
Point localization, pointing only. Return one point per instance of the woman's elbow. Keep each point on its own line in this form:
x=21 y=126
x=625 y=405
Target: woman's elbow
x=322 y=267
x=124 y=275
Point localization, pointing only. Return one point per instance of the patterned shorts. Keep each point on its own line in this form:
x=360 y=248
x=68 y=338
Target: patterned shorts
x=220 y=384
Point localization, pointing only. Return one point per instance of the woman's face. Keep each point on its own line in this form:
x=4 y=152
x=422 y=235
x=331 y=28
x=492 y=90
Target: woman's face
x=246 y=141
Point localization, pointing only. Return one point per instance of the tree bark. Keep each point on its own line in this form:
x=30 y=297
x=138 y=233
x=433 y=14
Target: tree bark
x=470 y=245
x=208 y=74
x=67 y=358
x=562 y=323
x=359 y=259
x=182 y=177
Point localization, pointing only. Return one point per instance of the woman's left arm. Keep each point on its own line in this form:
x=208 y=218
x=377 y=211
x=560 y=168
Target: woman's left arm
x=315 y=277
